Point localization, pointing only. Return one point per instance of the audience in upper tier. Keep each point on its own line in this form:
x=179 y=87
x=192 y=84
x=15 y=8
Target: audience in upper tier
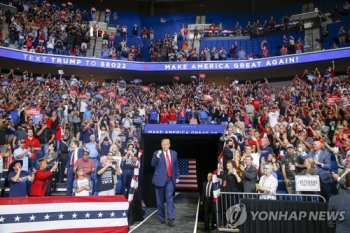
x=64 y=30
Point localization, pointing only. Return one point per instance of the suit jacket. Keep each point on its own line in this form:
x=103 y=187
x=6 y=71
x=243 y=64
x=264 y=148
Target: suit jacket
x=341 y=182
x=250 y=179
x=204 y=191
x=340 y=202
x=227 y=155
x=323 y=171
x=80 y=155
x=64 y=151
x=40 y=183
x=160 y=173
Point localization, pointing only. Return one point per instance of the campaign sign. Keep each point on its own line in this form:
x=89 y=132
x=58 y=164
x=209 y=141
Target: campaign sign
x=33 y=111
x=334 y=99
x=175 y=66
x=307 y=183
x=184 y=129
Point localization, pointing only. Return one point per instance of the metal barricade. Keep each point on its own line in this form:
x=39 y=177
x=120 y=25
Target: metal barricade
x=227 y=206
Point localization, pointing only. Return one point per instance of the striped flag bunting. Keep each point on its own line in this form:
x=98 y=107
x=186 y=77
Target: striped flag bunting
x=64 y=214
x=216 y=188
x=135 y=179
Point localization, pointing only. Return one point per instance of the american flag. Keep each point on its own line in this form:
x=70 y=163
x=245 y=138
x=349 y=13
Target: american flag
x=64 y=214
x=216 y=182
x=188 y=174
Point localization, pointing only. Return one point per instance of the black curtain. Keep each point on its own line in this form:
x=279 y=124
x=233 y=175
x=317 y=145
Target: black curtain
x=305 y=225
x=204 y=148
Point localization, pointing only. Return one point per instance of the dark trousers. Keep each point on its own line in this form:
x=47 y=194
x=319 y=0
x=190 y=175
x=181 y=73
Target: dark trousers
x=325 y=190
x=61 y=175
x=70 y=179
x=209 y=211
x=75 y=128
x=49 y=183
x=127 y=176
x=165 y=193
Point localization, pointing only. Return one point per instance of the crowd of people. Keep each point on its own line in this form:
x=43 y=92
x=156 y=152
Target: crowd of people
x=295 y=133
x=46 y=28
x=96 y=126
x=255 y=28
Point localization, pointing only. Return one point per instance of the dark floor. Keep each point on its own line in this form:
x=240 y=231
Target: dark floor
x=186 y=209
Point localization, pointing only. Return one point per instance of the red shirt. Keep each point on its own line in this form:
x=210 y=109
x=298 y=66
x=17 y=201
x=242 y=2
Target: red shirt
x=299 y=46
x=256 y=104
x=86 y=165
x=185 y=31
x=163 y=117
x=172 y=115
x=49 y=123
x=34 y=143
x=58 y=135
x=40 y=183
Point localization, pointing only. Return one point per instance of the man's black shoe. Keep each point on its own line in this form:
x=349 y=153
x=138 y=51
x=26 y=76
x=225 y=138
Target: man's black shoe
x=162 y=221
x=171 y=222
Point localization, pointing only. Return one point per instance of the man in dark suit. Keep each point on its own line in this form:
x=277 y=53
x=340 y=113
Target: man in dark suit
x=64 y=154
x=340 y=179
x=165 y=177
x=249 y=175
x=227 y=153
x=339 y=205
x=322 y=160
x=74 y=154
x=207 y=201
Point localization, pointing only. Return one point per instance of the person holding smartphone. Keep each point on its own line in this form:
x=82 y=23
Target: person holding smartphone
x=22 y=154
x=42 y=179
x=51 y=159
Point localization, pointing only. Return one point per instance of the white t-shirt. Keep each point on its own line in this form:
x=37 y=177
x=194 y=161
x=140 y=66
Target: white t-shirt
x=81 y=183
x=65 y=111
x=126 y=123
x=273 y=118
x=256 y=159
x=83 y=106
x=115 y=133
x=142 y=111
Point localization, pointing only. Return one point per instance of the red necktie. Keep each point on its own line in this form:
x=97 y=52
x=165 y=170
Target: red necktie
x=168 y=164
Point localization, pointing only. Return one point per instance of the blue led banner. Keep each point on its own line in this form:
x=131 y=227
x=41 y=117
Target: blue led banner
x=184 y=129
x=178 y=66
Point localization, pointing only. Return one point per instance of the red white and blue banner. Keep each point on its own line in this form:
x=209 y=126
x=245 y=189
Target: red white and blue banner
x=184 y=129
x=188 y=174
x=325 y=55
x=64 y=214
x=216 y=188
x=134 y=185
